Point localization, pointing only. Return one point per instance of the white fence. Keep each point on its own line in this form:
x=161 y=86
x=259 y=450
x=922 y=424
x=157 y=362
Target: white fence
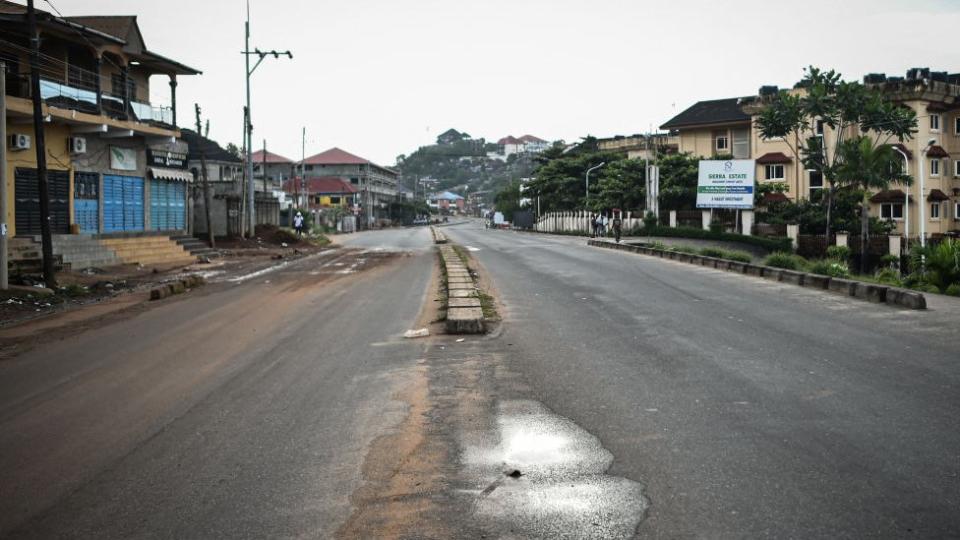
x=579 y=222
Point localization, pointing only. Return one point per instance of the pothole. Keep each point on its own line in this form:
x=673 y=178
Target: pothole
x=542 y=475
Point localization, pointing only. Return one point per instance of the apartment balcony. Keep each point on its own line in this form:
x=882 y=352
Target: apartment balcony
x=64 y=96
x=76 y=104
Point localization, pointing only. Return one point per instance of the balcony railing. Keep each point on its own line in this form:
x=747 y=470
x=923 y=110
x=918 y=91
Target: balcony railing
x=64 y=96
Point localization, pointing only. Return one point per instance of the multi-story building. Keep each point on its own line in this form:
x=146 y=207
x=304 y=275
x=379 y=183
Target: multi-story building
x=640 y=146
x=279 y=170
x=322 y=192
x=115 y=161
x=376 y=185
x=727 y=127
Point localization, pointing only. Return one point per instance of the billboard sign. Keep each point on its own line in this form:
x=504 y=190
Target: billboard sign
x=726 y=184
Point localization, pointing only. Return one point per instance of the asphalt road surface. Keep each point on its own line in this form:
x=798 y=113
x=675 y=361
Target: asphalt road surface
x=621 y=395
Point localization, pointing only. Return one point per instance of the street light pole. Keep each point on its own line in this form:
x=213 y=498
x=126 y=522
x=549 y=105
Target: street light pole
x=587 y=181
x=906 y=199
x=248 y=127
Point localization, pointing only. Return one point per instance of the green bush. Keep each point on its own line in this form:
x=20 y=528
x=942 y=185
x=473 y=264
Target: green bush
x=787 y=261
x=937 y=265
x=830 y=267
x=890 y=261
x=926 y=287
x=712 y=252
x=658 y=245
x=840 y=253
x=716 y=226
x=738 y=256
x=953 y=290
x=650 y=221
x=769 y=244
x=686 y=249
x=888 y=276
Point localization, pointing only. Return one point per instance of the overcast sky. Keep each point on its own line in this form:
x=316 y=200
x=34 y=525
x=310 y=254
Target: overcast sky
x=381 y=77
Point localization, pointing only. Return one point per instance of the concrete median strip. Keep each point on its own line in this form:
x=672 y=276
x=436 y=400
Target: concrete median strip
x=871 y=292
x=464 y=307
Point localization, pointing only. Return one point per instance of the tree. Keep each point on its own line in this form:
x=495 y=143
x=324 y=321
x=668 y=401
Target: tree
x=233 y=150
x=868 y=167
x=678 y=181
x=507 y=200
x=848 y=109
x=621 y=184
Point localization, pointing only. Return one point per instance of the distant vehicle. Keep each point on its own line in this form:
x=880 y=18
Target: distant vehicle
x=421 y=221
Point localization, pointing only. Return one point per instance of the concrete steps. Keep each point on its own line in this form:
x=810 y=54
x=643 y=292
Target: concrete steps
x=82 y=251
x=149 y=250
x=195 y=246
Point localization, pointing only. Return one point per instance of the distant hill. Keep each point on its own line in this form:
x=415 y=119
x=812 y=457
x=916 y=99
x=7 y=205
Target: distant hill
x=463 y=164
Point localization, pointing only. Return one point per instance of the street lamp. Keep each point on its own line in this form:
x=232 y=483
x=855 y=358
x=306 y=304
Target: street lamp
x=906 y=198
x=922 y=202
x=248 y=127
x=591 y=169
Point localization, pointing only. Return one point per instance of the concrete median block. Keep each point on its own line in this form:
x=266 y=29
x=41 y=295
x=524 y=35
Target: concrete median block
x=467 y=302
x=791 y=276
x=816 y=281
x=461 y=286
x=906 y=299
x=737 y=267
x=177 y=287
x=771 y=273
x=870 y=292
x=462 y=293
x=842 y=286
x=159 y=293
x=695 y=259
x=753 y=270
x=465 y=321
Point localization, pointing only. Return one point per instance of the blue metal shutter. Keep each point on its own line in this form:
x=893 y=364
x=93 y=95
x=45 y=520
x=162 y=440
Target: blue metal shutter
x=132 y=203
x=112 y=203
x=179 y=206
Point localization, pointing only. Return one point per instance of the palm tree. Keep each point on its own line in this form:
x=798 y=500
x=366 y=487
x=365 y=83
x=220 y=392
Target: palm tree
x=869 y=168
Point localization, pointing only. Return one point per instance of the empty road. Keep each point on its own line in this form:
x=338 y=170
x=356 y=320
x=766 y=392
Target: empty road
x=620 y=396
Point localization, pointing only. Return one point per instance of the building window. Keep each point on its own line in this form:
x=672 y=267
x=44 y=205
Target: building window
x=935 y=167
x=892 y=211
x=818 y=127
x=956 y=211
x=721 y=143
x=935 y=210
x=354 y=181
x=334 y=200
x=934 y=122
x=956 y=125
x=309 y=167
x=816 y=181
x=774 y=172
x=741 y=144
x=956 y=167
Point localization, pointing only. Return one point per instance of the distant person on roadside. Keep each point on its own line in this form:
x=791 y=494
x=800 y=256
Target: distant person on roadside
x=604 y=225
x=298 y=223
x=598 y=226
x=616 y=227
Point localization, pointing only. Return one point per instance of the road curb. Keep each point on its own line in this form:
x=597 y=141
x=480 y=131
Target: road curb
x=438 y=237
x=176 y=287
x=878 y=294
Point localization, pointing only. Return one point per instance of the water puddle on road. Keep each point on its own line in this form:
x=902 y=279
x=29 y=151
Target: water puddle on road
x=543 y=476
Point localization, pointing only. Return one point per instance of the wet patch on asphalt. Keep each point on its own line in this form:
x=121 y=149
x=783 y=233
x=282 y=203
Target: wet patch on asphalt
x=549 y=478
x=476 y=458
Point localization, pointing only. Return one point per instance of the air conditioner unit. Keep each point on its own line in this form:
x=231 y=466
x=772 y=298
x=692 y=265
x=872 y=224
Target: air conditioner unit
x=19 y=141
x=77 y=145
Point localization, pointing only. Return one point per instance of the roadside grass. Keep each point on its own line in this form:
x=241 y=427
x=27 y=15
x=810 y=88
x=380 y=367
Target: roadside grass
x=443 y=294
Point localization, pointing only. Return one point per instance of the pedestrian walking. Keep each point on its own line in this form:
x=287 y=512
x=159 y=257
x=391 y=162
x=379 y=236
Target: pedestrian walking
x=604 y=225
x=598 y=226
x=616 y=227
x=298 y=223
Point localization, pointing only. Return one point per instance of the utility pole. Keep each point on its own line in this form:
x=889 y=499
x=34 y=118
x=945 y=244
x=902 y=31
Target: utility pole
x=264 y=165
x=303 y=162
x=4 y=280
x=248 y=127
x=206 y=185
x=49 y=278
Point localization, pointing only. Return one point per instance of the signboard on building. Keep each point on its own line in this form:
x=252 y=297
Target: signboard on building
x=166 y=158
x=726 y=184
x=123 y=159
